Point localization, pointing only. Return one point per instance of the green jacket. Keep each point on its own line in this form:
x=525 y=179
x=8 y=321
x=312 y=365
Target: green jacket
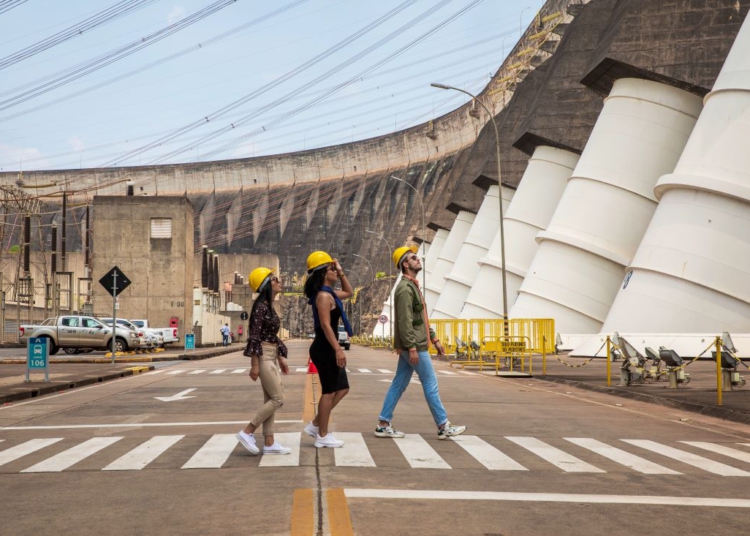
x=409 y=330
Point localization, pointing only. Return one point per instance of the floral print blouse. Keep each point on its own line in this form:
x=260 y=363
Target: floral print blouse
x=264 y=327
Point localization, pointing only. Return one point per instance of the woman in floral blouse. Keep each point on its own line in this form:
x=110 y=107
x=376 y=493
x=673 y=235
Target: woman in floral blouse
x=268 y=355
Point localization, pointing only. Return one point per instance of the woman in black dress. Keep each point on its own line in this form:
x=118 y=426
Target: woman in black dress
x=327 y=355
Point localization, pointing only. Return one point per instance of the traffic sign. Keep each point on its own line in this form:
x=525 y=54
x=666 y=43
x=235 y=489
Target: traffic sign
x=37 y=356
x=244 y=315
x=115 y=281
x=383 y=319
x=190 y=341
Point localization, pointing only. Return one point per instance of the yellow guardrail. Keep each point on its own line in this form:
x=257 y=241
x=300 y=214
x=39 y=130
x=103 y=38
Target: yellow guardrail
x=540 y=332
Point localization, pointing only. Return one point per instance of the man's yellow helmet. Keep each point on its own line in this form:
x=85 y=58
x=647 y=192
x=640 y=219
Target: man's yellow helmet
x=258 y=277
x=400 y=252
x=316 y=259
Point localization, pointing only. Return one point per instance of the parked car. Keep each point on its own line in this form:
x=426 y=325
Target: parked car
x=169 y=335
x=152 y=338
x=344 y=338
x=80 y=332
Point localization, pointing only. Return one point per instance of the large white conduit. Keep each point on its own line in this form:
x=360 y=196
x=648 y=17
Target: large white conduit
x=459 y=281
x=607 y=205
x=448 y=254
x=438 y=241
x=692 y=270
x=533 y=204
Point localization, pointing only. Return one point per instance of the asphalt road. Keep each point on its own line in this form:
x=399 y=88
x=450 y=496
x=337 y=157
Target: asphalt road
x=537 y=459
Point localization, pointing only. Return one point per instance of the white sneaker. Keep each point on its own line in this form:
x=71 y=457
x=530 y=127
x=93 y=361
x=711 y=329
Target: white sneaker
x=276 y=449
x=450 y=430
x=312 y=430
x=388 y=431
x=328 y=442
x=248 y=441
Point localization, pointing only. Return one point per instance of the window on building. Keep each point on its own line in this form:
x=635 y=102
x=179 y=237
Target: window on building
x=161 y=227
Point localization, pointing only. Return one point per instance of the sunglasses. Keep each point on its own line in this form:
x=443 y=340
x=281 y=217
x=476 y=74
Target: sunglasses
x=274 y=279
x=331 y=268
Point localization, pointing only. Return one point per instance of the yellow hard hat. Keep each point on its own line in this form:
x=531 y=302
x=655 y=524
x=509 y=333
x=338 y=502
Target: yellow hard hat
x=257 y=277
x=316 y=259
x=400 y=252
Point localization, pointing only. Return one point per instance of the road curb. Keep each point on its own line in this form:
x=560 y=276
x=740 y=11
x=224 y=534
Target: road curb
x=49 y=389
x=693 y=407
x=131 y=359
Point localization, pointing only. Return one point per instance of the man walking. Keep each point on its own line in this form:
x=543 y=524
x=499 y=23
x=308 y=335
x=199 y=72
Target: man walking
x=225 y=334
x=411 y=338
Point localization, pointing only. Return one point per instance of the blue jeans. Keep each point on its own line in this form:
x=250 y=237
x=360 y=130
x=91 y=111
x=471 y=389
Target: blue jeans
x=226 y=340
x=426 y=375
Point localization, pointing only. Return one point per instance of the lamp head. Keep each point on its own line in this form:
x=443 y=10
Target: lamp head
x=440 y=86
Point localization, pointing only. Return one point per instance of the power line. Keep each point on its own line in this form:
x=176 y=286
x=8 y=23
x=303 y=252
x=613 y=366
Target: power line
x=110 y=14
x=250 y=96
x=158 y=62
x=7 y=5
x=82 y=69
x=380 y=63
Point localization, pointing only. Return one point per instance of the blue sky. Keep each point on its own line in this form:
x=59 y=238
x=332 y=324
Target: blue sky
x=114 y=115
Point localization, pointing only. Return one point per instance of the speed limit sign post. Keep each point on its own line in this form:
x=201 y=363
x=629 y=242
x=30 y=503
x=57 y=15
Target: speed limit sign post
x=37 y=356
x=383 y=320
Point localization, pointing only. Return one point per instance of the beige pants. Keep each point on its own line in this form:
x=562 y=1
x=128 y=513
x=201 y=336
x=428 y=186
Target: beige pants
x=273 y=389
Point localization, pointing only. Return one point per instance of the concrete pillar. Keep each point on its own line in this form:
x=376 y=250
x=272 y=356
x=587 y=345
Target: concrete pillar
x=607 y=205
x=433 y=252
x=692 y=270
x=462 y=276
x=448 y=255
x=533 y=204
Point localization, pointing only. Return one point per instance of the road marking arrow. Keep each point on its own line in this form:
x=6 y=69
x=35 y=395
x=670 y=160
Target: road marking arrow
x=178 y=396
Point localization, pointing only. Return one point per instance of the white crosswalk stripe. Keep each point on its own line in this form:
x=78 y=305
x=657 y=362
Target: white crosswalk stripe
x=620 y=456
x=447 y=372
x=467 y=372
x=199 y=371
x=154 y=372
x=219 y=371
x=686 y=457
x=555 y=456
x=213 y=453
x=354 y=453
x=301 y=369
x=487 y=455
x=291 y=440
x=23 y=449
x=239 y=371
x=175 y=372
x=366 y=371
x=419 y=453
x=721 y=449
x=143 y=454
x=385 y=371
x=72 y=456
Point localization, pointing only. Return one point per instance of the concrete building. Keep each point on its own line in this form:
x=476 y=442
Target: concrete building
x=151 y=240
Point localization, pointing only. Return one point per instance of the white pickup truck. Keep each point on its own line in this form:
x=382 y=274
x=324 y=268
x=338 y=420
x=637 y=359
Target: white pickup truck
x=170 y=334
x=80 y=332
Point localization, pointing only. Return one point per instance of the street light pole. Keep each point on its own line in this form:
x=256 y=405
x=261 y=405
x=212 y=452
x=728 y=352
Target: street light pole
x=390 y=278
x=424 y=231
x=499 y=183
x=520 y=22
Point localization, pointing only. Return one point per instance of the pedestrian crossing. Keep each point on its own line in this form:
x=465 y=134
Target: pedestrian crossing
x=509 y=453
x=297 y=370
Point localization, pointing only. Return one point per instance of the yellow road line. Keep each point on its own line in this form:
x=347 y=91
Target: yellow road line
x=302 y=513
x=339 y=520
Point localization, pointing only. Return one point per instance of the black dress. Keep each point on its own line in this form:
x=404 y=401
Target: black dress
x=332 y=377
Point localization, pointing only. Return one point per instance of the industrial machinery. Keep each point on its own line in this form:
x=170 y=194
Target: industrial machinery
x=675 y=367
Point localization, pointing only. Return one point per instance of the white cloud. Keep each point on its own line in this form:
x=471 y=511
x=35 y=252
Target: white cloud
x=76 y=143
x=26 y=157
x=176 y=14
